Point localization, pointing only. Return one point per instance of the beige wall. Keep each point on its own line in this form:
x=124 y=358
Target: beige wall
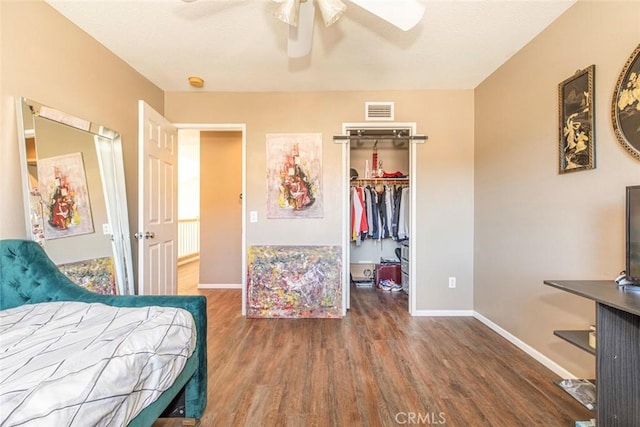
x=444 y=178
x=531 y=223
x=220 y=208
x=489 y=163
x=50 y=60
x=79 y=76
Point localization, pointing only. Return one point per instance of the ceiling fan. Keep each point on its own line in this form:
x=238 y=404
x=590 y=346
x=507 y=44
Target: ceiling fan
x=300 y=14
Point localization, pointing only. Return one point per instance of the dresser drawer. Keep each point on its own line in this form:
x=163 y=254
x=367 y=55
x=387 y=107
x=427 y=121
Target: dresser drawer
x=404 y=251
x=405 y=282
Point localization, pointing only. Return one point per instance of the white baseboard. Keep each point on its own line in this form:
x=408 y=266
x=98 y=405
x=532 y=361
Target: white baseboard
x=559 y=370
x=219 y=286
x=443 y=313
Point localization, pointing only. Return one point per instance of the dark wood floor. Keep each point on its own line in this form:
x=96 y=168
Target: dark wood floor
x=376 y=367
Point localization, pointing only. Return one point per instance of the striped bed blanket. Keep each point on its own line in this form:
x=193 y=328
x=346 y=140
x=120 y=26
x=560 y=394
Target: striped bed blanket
x=88 y=364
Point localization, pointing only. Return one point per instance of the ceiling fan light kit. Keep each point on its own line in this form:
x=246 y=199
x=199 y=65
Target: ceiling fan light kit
x=301 y=37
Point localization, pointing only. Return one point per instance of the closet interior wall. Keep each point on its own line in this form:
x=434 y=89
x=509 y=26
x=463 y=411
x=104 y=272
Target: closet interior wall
x=394 y=156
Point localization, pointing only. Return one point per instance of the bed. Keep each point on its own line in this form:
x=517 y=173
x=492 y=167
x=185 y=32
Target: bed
x=67 y=354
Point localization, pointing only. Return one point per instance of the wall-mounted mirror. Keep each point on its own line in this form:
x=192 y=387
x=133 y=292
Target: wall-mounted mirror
x=75 y=197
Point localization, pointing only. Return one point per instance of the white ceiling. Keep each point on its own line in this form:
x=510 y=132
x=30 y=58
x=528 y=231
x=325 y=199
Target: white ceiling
x=239 y=46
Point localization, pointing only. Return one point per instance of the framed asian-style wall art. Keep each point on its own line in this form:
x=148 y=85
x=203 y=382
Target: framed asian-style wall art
x=577 y=121
x=625 y=109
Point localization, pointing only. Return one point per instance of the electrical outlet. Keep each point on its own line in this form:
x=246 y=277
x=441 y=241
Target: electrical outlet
x=452 y=282
x=253 y=216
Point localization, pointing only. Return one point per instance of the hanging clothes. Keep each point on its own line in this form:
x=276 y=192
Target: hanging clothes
x=379 y=213
x=403 y=220
x=382 y=214
x=374 y=217
x=396 y=197
x=359 y=222
x=388 y=194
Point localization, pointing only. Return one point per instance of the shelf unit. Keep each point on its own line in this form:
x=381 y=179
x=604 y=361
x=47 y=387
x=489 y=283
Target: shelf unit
x=590 y=383
x=617 y=351
x=404 y=263
x=578 y=338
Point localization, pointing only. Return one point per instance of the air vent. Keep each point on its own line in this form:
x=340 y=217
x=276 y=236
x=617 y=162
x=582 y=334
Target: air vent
x=378 y=110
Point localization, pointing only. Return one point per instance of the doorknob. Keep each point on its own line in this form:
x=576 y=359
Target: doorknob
x=148 y=235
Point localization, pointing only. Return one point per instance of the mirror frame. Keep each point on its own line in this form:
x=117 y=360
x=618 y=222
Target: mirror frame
x=110 y=157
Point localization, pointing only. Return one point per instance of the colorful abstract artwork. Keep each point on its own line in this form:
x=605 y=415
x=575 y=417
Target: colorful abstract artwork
x=294 y=175
x=294 y=282
x=96 y=275
x=63 y=188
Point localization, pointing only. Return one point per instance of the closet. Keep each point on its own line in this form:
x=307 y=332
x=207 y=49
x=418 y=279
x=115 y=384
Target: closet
x=379 y=161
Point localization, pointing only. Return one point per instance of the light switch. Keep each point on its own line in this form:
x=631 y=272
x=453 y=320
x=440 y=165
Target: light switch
x=253 y=216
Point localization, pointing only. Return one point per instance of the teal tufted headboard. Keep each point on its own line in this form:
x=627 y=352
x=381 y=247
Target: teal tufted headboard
x=28 y=276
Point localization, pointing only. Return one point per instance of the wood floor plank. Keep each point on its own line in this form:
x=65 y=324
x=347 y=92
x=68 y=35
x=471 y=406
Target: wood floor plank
x=378 y=366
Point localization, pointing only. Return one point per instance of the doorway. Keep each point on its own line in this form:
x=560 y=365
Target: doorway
x=408 y=252
x=221 y=207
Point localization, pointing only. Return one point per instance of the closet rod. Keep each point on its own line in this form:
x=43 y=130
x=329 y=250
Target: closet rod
x=392 y=181
x=381 y=137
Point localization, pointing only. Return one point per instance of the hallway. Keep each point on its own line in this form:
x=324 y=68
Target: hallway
x=188 y=275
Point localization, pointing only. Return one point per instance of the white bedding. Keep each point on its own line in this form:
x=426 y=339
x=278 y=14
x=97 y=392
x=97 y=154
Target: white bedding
x=79 y=364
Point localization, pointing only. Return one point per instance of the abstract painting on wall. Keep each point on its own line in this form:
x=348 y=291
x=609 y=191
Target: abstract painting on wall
x=63 y=190
x=96 y=275
x=294 y=282
x=294 y=175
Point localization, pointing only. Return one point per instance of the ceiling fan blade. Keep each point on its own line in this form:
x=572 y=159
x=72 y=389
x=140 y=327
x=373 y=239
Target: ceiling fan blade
x=300 y=37
x=287 y=12
x=404 y=14
x=331 y=10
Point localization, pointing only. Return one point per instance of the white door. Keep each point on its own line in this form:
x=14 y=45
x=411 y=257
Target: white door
x=157 y=203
